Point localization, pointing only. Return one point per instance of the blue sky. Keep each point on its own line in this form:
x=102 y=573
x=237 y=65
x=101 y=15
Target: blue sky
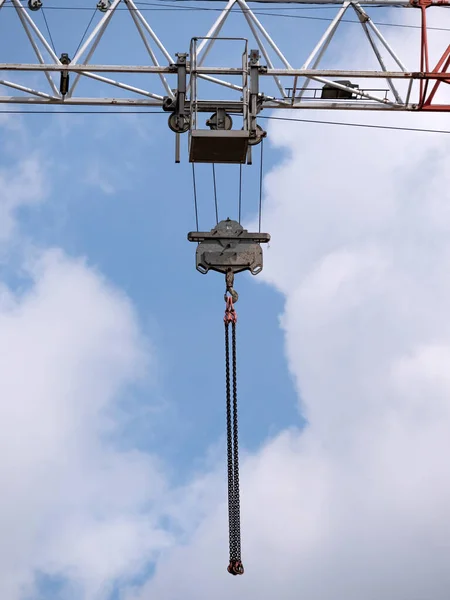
x=117 y=198
x=113 y=197
x=134 y=232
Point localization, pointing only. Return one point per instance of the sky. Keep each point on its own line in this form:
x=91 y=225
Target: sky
x=112 y=462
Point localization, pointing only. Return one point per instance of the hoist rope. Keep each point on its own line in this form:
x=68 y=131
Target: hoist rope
x=215 y=193
x=261 y=184
x=240 y=193
x=48 y=31
x=85 y=31
x=235 y=566
x=143 y=111
x=153 y=6
x=195 y=195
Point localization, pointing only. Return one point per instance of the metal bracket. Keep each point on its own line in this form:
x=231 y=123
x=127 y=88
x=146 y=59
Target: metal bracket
x=229 y=247
x=256 y=132
x=219 y=144
x=65 y=77
x=179 y=120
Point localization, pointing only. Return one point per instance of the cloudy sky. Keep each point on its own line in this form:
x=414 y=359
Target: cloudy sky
x=112 y=461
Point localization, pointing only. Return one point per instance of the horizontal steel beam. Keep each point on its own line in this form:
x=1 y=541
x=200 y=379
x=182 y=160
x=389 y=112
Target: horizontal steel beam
x=201 y=236
x=403 y=3
x=208 y=105
x=131 y=102
x=341 y=105
x=201 y=105
x=356 y=74
x=227 y=71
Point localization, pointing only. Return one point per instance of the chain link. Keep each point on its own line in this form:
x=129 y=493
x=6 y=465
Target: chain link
x=235 y=566
x=237 y=508
x=229 y=444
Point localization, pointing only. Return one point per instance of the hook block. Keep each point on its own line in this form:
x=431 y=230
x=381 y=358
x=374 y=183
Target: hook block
x=229 y=247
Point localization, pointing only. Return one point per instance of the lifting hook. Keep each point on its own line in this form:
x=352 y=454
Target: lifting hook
x=229 y=282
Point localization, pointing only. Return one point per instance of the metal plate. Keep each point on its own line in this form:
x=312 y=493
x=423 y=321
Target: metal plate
x=219 y=146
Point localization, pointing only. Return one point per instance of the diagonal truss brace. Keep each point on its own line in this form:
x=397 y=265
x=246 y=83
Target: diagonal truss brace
x=83 y=56
x=292 y=87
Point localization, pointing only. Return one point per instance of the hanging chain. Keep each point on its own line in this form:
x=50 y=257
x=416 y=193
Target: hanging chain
x=229 y=447
x=237 y=508
x=235 y=566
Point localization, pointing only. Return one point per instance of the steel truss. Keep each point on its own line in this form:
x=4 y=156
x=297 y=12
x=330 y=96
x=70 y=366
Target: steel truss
x=293 y=84
x=290 y=87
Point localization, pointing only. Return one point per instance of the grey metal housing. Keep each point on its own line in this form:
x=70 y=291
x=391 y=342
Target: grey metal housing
x=229 y=247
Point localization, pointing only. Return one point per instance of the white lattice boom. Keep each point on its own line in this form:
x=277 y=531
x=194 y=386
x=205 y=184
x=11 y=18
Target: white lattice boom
x=293 y=86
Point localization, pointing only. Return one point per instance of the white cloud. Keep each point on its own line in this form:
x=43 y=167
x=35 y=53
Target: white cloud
x=358 y=504
x=20 y=185
x=71 y=503
x=97 y=177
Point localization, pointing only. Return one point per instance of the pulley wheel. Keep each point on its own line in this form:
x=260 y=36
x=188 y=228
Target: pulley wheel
x=179 y=123
x=227 y=122
x=260 y=134
x=33 y=5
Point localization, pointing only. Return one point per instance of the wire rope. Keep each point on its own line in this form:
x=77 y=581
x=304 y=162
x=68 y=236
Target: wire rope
x=85 y=31
x=195 y=195
x=240 y=193
x=169 y=8
x=215 y=192
x=261 y=184
x=268 y=117
x=48 y=31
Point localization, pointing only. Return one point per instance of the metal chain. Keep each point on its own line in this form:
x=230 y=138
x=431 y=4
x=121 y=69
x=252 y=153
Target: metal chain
x=237 y=508
x=235 y=566
x=229 y=444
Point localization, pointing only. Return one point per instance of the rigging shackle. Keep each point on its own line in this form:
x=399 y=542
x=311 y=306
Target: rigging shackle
x=230 y=312
x=235 y=567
